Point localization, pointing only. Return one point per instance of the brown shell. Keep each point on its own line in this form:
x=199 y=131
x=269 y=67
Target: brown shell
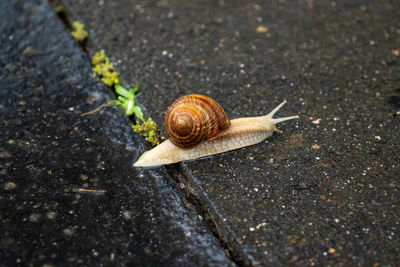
x=194 y=118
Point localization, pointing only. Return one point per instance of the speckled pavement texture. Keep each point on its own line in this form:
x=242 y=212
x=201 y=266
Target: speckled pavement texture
x=323 y=192
x=68 y=192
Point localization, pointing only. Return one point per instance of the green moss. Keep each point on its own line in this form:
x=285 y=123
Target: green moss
x=126 y=98
x=99 y=57
x=149 y=130
x=79 y=32
x=105 y=69
x=58 y=9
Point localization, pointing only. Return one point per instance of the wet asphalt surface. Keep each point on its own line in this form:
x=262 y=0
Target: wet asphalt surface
x=323 y=192
x=69 y=193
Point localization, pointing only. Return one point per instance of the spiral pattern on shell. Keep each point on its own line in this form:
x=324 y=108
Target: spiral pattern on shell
x=194 y=118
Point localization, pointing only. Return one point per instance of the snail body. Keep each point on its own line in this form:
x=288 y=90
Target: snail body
x=240 y=133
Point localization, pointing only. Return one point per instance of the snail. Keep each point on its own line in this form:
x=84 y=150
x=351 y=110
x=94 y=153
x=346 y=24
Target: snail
x=197 y=126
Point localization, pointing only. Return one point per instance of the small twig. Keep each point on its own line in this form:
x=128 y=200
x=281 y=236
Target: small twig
x=91 y=191
x=96 y=109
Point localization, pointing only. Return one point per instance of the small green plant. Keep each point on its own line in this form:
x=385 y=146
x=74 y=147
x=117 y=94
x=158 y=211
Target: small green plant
x=126 y=99
x=79 y=32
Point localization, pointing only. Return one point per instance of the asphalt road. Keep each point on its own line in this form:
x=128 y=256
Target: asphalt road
x=323 y=192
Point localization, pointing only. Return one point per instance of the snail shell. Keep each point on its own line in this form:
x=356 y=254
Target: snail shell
x=194 y=118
